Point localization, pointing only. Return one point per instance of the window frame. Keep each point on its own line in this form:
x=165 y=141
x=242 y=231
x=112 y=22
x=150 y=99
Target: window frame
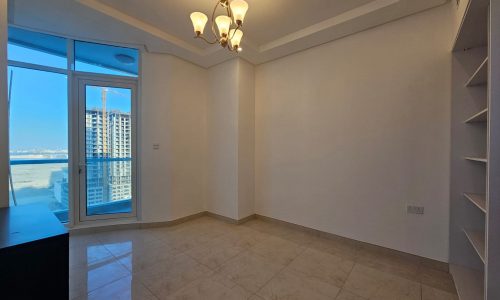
x=73 y=126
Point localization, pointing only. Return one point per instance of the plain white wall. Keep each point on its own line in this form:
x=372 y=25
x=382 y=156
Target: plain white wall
x=350 y=132
x=222 y=140
x=173 y=115
x=231 y=139
x=246 y=139
x=4 y=123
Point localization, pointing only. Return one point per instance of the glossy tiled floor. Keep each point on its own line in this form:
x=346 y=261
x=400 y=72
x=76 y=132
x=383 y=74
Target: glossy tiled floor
x=209 y=259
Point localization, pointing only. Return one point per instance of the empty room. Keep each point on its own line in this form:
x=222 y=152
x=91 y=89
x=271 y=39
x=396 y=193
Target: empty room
x=249 y=149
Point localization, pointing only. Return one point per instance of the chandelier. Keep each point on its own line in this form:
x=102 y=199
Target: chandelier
x=229 y=33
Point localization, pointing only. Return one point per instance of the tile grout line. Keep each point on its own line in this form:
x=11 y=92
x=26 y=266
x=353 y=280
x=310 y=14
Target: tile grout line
x=281 y=270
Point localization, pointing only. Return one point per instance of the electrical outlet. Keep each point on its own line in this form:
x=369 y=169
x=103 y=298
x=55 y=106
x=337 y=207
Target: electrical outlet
x=415 y=210
x=156 y=146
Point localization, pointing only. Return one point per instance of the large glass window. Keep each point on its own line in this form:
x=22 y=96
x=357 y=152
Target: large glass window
x=38 y=123
x=39 y=139
x=105 y=59
x=37 y=48
x=108 y=150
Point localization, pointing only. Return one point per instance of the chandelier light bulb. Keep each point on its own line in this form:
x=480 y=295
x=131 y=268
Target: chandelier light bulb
x=223 y=23
x=235 y=36
x=199 y=21
x=226 y=28
x=239 y=9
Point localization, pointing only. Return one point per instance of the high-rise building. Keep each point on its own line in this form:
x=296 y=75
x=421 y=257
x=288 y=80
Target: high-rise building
x=109 y=149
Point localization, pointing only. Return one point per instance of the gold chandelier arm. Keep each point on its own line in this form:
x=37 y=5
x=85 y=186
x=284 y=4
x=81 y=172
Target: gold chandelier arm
x=203 y=38
x=213 y=21
x=238 y=27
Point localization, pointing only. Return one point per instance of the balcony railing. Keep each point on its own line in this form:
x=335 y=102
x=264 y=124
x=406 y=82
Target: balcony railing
x=42 y=183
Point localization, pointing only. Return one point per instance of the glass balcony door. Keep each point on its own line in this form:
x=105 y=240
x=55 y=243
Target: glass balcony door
x=106 y=146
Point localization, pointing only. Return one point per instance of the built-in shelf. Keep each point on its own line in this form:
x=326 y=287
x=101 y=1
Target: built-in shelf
x=473 y=28
x=478 y=200
x=469 y=282
x=477 y=159
x=481 y=116
x=476 y=238
x=480 y=76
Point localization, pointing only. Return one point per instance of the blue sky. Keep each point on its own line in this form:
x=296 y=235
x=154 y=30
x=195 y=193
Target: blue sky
x=39 y=102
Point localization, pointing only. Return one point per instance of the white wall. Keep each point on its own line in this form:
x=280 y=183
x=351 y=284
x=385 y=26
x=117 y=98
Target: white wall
x=222 y=140
x=173 y=114
x=246 y=139
x=4 y=125
x=230 y=139
x=349 y=133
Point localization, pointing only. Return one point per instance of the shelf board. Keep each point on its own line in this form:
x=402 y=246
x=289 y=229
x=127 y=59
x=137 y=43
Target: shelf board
x=469 y=282
x=481 y=116
x=480 y=76
x=476 y=238
x=477 y=159
x=473 y=31
x=478 y=200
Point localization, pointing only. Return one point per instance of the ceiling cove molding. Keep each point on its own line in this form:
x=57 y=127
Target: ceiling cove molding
x=374 y=13
x=155 y=31
x=329 y=23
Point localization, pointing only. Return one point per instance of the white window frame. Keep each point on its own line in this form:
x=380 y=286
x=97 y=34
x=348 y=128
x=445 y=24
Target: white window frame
x=73 y=127
x=80 y=81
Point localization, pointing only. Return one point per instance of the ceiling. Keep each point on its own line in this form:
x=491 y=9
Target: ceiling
x=272 y=28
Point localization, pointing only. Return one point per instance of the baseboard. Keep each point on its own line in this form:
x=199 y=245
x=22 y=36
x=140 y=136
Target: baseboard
x=435 y=264
x=230 y=220
x=145 y=225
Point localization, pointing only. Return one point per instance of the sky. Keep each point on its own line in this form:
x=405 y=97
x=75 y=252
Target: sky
x=39 y=101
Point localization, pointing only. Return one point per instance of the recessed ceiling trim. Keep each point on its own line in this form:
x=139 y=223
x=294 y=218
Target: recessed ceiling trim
x=118 y=15
x=329 y=23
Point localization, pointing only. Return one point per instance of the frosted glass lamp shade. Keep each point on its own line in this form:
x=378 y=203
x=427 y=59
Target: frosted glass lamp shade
x=239 y=9
x=235 y=36
x=223 y=23
x=199 y=21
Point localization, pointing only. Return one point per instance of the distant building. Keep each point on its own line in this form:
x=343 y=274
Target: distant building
x=108 y=142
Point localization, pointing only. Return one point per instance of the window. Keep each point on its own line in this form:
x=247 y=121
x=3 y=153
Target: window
x=104 y=59
x=40 y=151
x=39 y=139
x=36 y=48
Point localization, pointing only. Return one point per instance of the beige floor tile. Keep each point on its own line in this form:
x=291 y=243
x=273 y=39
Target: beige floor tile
x=143 y=257
x=293 y=286
x=330 y=268
x=376 y=285
x=168 y=276
x=278 y=250
x=250 y=270
x=125 y=288
x=437 y=279
x=83 y=280
x=85 y=255
x=211 y=288
x=346 y=295
x=82 y=240
x=215 y=252
x=210 y=259
x=336 y=246
x=430 y=293
x=133 y=235
x=390 y=261
x=245 y=237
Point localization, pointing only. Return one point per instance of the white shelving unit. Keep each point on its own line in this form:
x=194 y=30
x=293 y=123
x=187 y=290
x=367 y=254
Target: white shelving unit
x=477 y=159
x=475 y=190
x=478 y=200
x=476 y=238
x=480 y=77
x=481 y=116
